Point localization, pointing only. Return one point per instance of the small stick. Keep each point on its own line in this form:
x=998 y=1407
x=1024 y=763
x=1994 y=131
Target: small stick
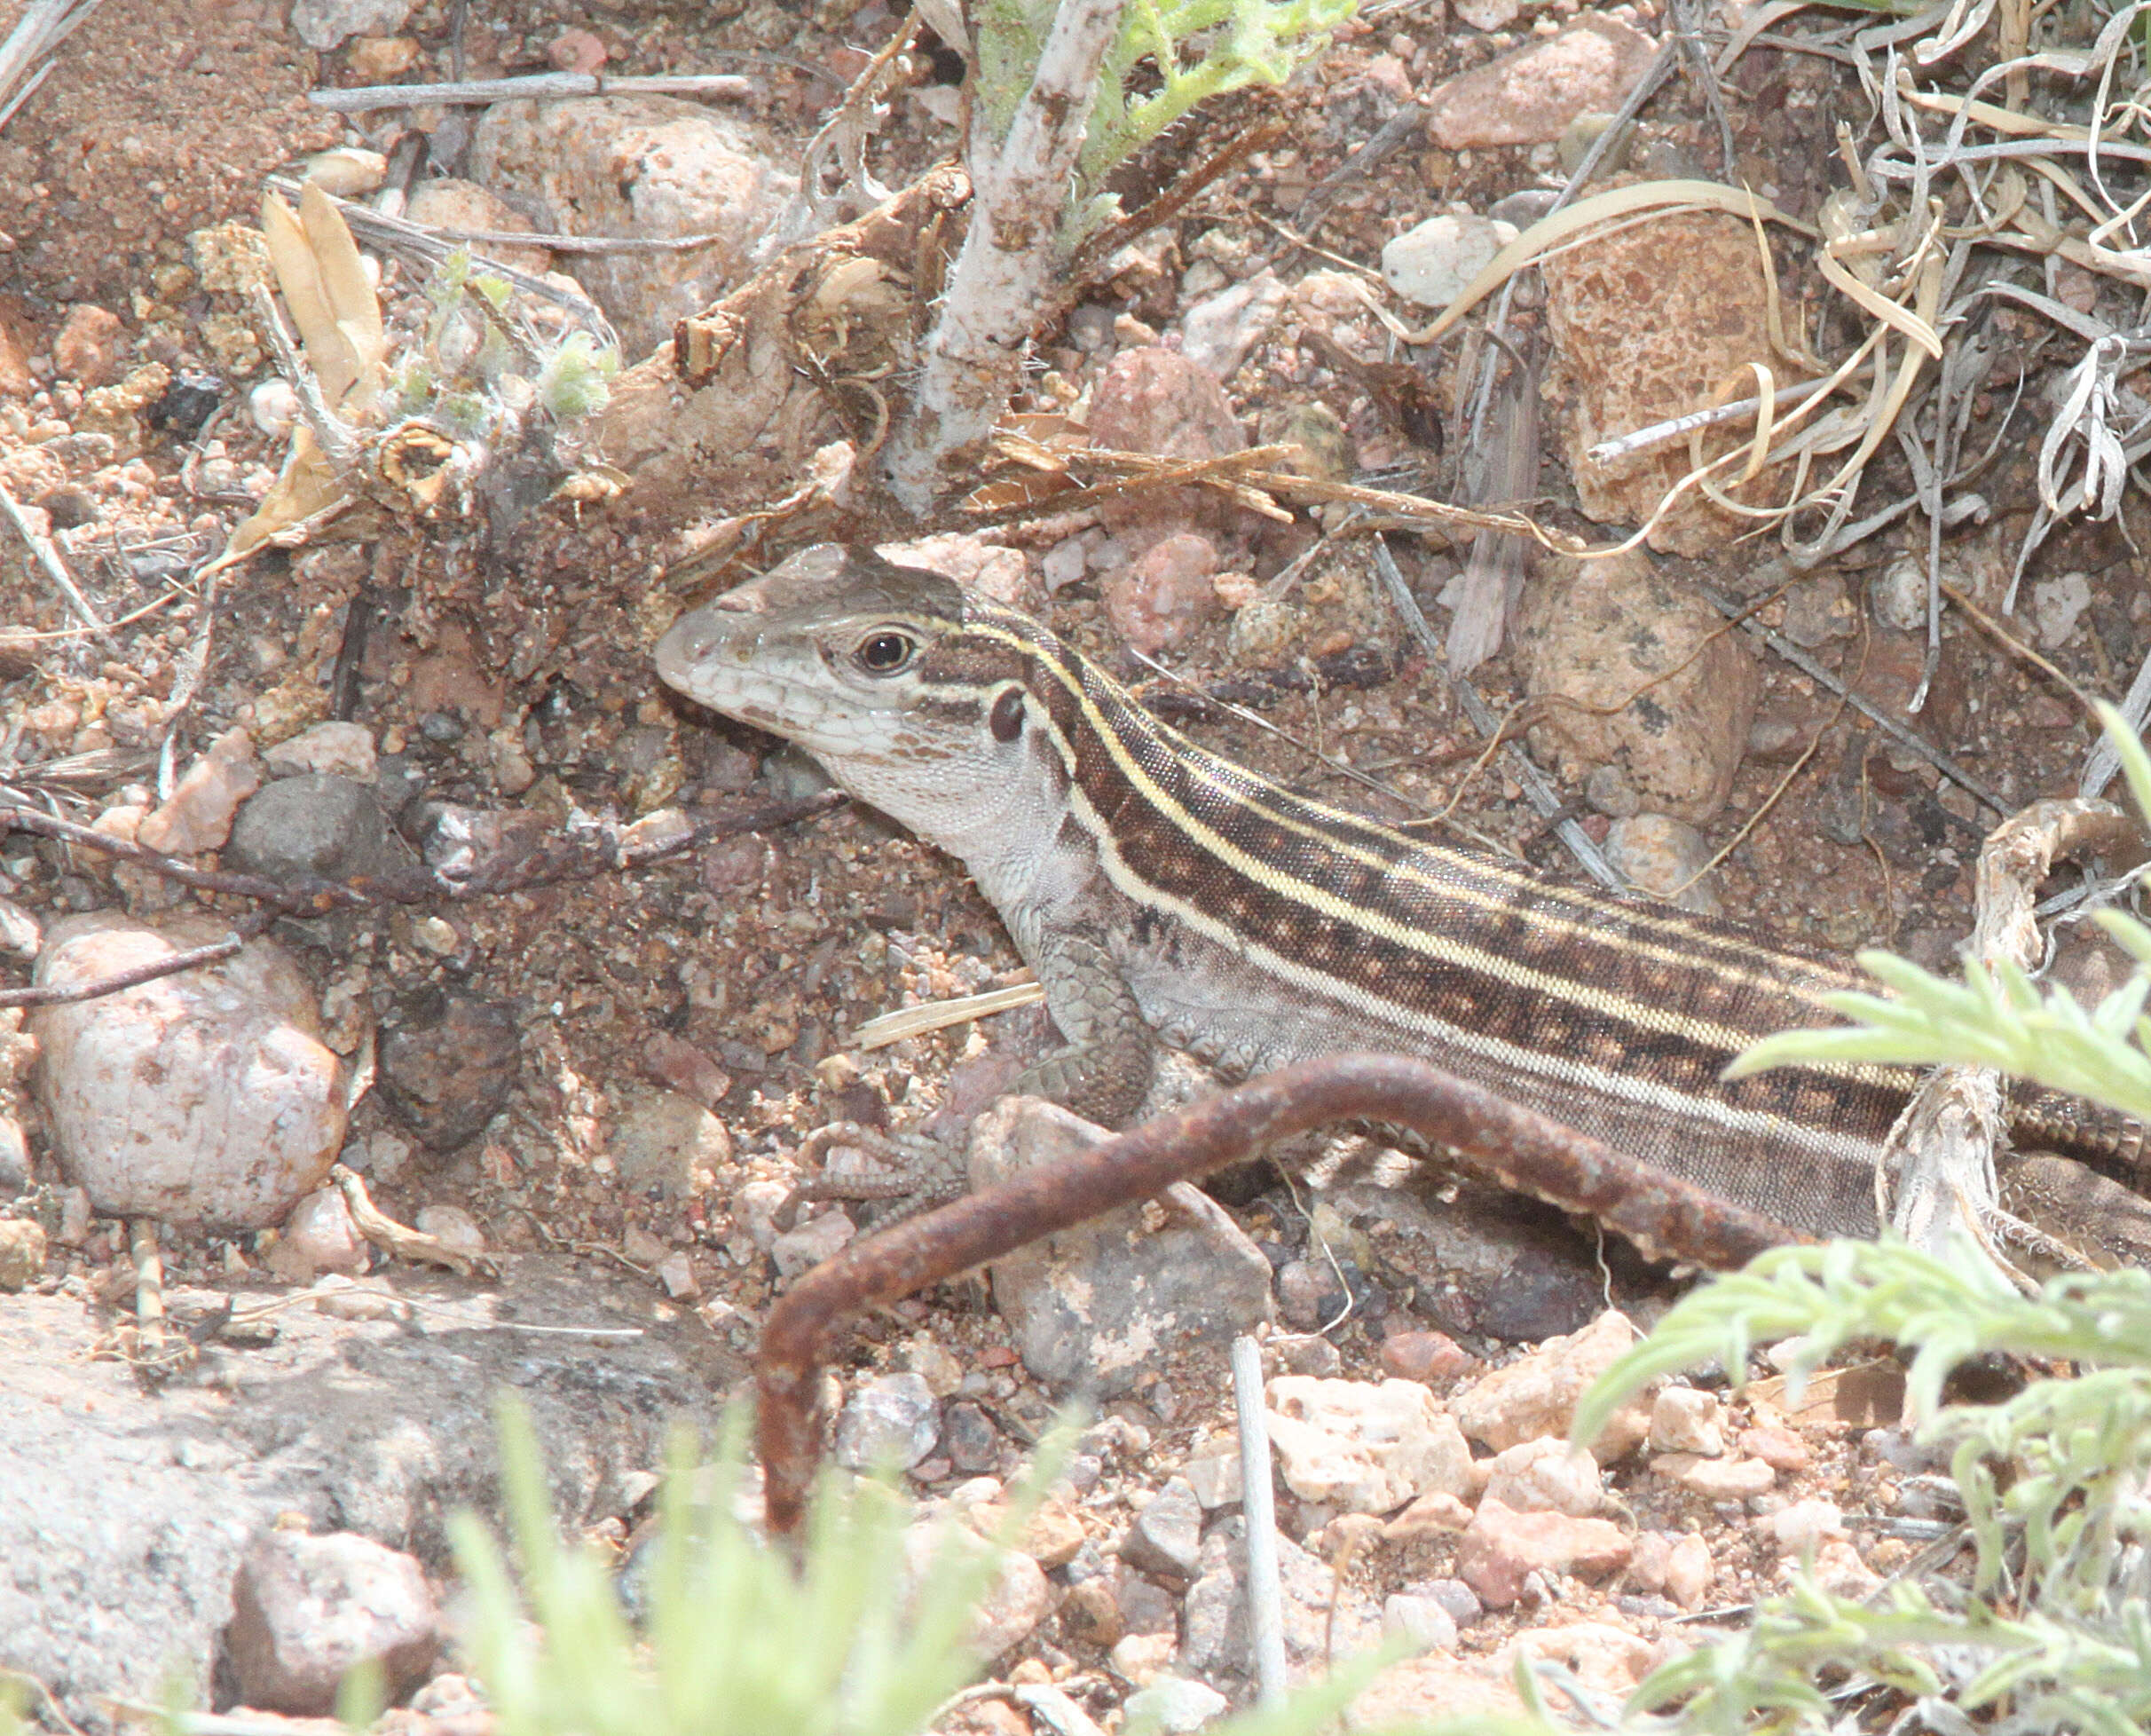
x=1882 y=719
x=400 y=1240
x=1522 y=1150
x=1664 y=433
x=1259 y=1513
x=481 y=90
x=149 y=1290
x=48 y=557
x=508 y=871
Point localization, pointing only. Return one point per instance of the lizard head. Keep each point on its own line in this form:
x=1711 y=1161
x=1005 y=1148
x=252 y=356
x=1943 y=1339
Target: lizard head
x=879 y=672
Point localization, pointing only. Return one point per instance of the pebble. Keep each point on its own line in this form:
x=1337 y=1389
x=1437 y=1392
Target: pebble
x=889 y=1420
x=1433 y=262
x=577 y=50
x=676 y=1273
x=1218 y=331
x=1175 y=1705
x=669 y=1142
x=1363 y=1446
x=346 y=750
x=655 y=167
x=88 y=347
x=199 y=815
x=1155 y=400
x=1095 y=1304
x=318 y=1236
x=315 y=825
x=1501 y=1546
x=799 y=1250
x=1213 y=1471
x=447 y=1065
x=1597 y=633
x=1715 y=1479
x=1899 y=594
x=924 y=1355
x=686 y=1070
x=1016 y=1599
x=1686 y=1419
x=1530 y=95
x=1644 y=322
x=348 y=171
x=1161 y=599
x=1424 y=1356
x=248 y=1113
x=1141 y=1658
x=1167 y=1534
x=1545 y=1476
x=326 y=24
x=2058 y=605
x=305 y=1610
x=972 y=1442
x=1666 y=858
x=1689 y=1571
x=451 y=202
x=274 y=407
x=452 y=1226
x=1803 y=1526
x=1430 y=1627
x=22 y=1253
x=989 y=568
x=378 y=59
x=1055 y=1537
x=1536 y=1394
x=1779 y=1447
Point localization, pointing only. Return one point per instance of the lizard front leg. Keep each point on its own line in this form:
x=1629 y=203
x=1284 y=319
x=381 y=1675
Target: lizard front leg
x=1103 y=1074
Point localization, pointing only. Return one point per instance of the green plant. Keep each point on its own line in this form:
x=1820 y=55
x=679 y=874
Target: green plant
x=2053 y=1632
x=1198 y=49
x=735 y=1639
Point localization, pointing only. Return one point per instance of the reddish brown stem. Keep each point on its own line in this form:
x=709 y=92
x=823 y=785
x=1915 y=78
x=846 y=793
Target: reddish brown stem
x=1667 y=1218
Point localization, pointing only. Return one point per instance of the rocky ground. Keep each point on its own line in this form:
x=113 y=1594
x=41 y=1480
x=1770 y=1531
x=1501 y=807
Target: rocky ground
x=597 y=1094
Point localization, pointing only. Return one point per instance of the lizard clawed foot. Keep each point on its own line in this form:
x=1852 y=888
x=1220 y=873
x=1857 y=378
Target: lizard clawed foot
x=858 y=1163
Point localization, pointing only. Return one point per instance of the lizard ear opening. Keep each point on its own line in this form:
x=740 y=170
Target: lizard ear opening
x=1005 y=720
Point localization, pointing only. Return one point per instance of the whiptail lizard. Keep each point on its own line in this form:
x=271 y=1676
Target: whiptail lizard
x=1159 y=891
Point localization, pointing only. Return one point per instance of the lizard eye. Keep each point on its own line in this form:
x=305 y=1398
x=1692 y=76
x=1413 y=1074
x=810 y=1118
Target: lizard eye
x=885 y=652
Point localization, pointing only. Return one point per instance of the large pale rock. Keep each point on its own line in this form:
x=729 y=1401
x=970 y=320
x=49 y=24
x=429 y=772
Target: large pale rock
x=648 y=166
x=1638 y=673
x=307 y=1610
x=1501 y=1547
x=1364 y=1447
x=206 y=1097
x=1095 y=1306
x=1647 y=322
x=1530 y=96
x=1537 y=1393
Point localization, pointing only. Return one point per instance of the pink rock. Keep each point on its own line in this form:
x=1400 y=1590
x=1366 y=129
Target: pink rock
x=1155 y=400
x=1688 y=1571
x=1501 y=1546
x=87 y=347
x=577 y=50
x=1715 y=1479
x=1536 y=1394
x=1779 y=1447
x=199 y=815
x=205 y=1097
x=1427 y=1356
x=1684 y=1419
x=1546 y=1476
x=1161 y=598
x=318 y=1236
x=306 y=1609
x=1530 y=96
